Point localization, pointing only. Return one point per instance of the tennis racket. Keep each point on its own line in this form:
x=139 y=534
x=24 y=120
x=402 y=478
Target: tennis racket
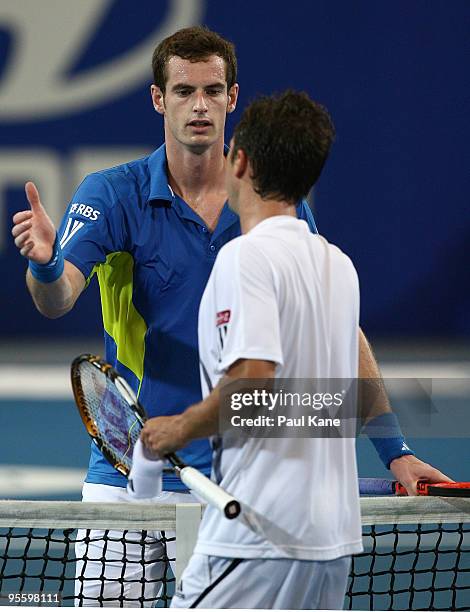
x=379 y=486
x=114 y=419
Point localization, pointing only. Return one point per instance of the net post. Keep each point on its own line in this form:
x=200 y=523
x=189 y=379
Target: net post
x=188 y=518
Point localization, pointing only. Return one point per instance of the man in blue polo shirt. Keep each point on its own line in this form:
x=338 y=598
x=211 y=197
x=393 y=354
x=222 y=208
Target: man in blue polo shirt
x=151 y=230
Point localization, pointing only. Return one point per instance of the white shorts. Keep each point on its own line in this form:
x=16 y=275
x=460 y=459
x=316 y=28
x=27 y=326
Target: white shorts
x=269 y=584
x=102 y=580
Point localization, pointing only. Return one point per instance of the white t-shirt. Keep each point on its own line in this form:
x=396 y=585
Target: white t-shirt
x=282 y=294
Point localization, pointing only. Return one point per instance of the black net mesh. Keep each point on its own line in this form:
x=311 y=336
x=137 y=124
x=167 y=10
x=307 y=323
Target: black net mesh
x=67 y=567
x=412 y=567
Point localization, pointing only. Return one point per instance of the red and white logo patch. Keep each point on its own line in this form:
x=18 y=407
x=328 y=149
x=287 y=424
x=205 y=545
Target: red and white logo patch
x=223 y=317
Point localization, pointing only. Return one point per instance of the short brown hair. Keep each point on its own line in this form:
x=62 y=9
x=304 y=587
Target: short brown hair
x=287 y=139
x=195 y=44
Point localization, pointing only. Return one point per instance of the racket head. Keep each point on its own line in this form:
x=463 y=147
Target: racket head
x=444 y=489
x=109 y=409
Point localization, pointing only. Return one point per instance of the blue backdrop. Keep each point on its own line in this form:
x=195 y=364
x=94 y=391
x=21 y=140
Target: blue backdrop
x=74 y=97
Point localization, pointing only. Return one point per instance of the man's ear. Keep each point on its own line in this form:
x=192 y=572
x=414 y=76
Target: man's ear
x=232 y=98
x=240 y=163
x=158 y=99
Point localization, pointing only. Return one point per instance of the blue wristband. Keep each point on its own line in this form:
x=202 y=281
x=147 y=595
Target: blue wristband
x=48 y=273
x=385 y=434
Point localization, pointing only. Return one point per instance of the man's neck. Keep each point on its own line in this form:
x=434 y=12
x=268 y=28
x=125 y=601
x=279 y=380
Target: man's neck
x=253 y=210
x=195 y=174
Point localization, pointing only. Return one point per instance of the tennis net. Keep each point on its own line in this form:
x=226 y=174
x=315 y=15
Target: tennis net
x=416 y=553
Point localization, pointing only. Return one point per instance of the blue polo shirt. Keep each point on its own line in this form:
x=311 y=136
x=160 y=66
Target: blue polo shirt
x=152 y=255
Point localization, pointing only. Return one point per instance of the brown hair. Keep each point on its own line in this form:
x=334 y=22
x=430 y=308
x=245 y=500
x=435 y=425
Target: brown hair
x=287 y=139
x=195 y=44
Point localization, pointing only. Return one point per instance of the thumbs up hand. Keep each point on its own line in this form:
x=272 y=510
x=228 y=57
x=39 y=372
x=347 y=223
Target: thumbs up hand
x=33 y=230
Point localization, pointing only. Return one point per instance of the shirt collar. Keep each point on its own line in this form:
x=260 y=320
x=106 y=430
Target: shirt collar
x=159 y=187
x=285 y=221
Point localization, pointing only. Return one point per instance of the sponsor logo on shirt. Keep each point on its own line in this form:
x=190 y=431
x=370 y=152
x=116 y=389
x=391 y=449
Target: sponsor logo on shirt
x=86 y=211
x=72 y=227
x=222 y=321
x=223 y=317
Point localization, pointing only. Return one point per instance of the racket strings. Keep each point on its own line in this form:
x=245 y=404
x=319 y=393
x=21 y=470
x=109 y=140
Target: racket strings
x=109 y=411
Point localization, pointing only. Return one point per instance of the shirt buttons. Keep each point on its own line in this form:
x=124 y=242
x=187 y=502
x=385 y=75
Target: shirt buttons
x=212 y=247
x=204 y=229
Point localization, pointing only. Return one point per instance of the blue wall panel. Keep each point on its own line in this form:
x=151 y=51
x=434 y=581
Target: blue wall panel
x=394 y=76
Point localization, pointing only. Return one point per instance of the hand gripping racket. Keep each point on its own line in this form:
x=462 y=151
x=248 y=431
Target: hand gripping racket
x=114 y=419
x=379 y=486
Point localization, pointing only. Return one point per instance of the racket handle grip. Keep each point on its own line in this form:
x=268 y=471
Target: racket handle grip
x=211 y=493
x=377 y=486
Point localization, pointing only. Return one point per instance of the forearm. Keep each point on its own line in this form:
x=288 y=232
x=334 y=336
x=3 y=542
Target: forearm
x=201 y=420
x=373 y=395
x=380 y=424
x=55 y=299
x=167 y=434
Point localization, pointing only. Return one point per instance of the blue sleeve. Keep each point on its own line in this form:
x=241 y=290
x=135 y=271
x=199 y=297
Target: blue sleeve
x=93 y=225
x=305 y=212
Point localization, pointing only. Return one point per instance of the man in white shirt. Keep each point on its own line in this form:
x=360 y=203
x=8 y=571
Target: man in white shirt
x=280 y=303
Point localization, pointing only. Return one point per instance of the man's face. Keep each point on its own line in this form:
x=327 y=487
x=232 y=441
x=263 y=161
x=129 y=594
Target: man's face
x=195 y=102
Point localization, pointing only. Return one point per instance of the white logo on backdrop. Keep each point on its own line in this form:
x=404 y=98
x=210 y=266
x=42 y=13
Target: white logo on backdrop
x=49 y=36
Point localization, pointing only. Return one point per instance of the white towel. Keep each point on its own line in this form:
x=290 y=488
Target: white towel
x=145 y=477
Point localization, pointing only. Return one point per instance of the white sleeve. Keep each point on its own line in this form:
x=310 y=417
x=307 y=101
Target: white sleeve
x=247 y=311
